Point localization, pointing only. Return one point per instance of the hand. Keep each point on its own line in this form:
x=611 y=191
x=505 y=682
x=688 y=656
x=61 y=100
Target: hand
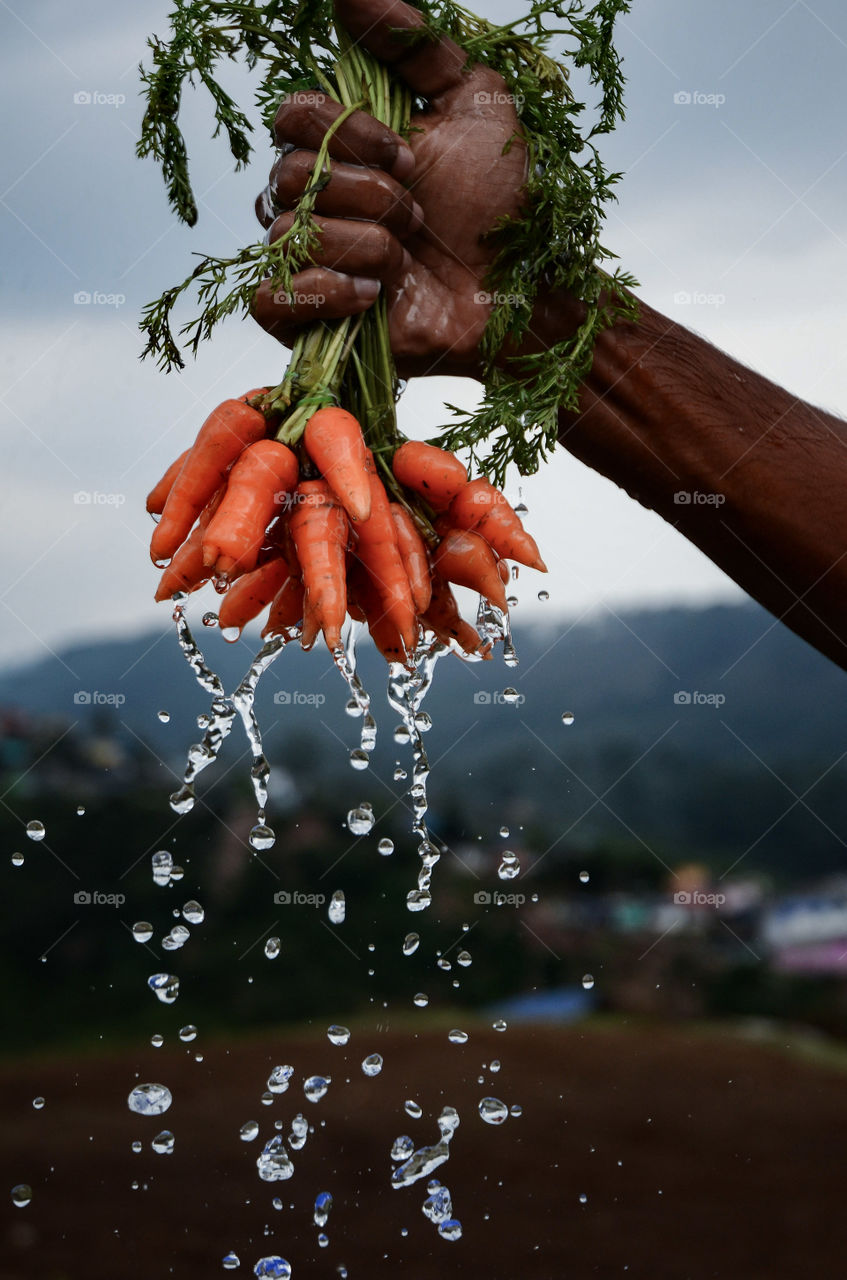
x=411 y=218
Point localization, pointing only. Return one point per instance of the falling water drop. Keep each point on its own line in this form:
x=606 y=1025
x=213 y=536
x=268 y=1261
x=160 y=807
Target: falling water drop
x=188 y=1033
x=567 y=717
x=509 y=866
x=316 y=1086
x=272 y=948
x=17 y=859
x=421 y=999
x=402 y=1147
x=165 y=986
x=262 y=837
x=231 y=1262
x=584 y=877
x=274 y=1164
x=372 y=1065
x=21 y=1195
x=149 y=1099
x=385 y=847
x=323 y=1204
x=337 y=908
x=142 y=931
x=413 y=1109
x=457 y=1037
x=587 y=981
x=359 y=759
x=193 y=912
x=163 y=1143
x=493 y=1111
x=248 y=1131
x=164 y=716
x=360 y=821
x=464 y=959
x=500 y=1024
x=280 y=1078
x=411 y=942
x=36 y=830
x=274 y=1266
x=162 y=864
x=337 y=1034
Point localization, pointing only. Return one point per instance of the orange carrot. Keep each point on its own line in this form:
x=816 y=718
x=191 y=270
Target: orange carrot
x=247 y=597
x=286 y=609
x=226 y=432
x=411 y=547
x=334 y=442
x=158 y=495
x=186 y=571
x=443 y=618
x=465 y=558
x=432 y=472
x=262 y=477
x=364 y=598
x=376 y=547
x=319 y=529
x=481 y=507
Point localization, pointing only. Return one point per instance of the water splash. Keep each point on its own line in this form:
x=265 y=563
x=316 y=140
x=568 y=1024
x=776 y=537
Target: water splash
x=426 y=1160
x=149 y=1099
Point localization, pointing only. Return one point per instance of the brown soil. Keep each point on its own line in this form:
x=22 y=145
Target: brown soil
x=701 y=1154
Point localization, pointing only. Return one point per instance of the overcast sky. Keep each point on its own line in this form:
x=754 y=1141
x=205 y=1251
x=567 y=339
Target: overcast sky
x=741 y=199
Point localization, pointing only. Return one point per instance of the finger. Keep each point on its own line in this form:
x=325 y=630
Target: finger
x=352 y=192
x=430 y=67
x=351 y=247
x=316 y=294
x=302 y=119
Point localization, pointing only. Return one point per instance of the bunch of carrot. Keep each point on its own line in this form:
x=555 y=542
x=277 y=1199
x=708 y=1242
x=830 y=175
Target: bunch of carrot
x=314 y=533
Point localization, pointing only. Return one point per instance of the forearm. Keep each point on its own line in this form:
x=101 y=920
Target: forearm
x=664 y=413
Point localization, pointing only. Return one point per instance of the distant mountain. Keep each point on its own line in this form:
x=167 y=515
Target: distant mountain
x=694 y=728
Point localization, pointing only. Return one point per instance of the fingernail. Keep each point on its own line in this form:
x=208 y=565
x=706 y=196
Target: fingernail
x=404 y=163
x=366 y=290
x=417 y=217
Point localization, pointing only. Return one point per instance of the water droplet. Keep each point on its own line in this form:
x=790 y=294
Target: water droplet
x=411 y=942
x=323 y=1204
x=360 y=821
x=149 y=1099
x=274 y=1164
x=512 y=601
x=421 y=999
x=338 y=1035
x=385 y=847
x=80 y=810
x=372 y=1065
x=423 y=722
x=516 y=1110
x=157 y=1041
x=182 y=801
x=188 y=1033
x=272 y=948
x=162 y=863
x=401 y=734
x=495 y=1065
x=267 y=1099
x=165 y=986
x=36 y=830
x=21 y=1195
x=451 y=1229
x=316 y=1086
x=163 y=1143
x=584 y=877
x=337 y=908
x=399 y=773
x=353 y=708
x=273 y=1265
x=402 y=1147
x=493 y=1111
x=509 y=866
x=137 y=1147
x=17 y=859
x=359 y=759
x=457 y=1037
x=418 y=899
x=248 y=1131
x=567 y=717
x=500 y=1024
x=504 y=832
x=412 y=1109
x=511 y=696
x=438 y=1205
x=280 y=1078
x=544 y=596
x=444 y=964
x=142 y=931
x=210 y=619
x=521 y=510
x=583 y=1199
x=262 y=837
x=299 y=1132
x=38 y=1103
x=464 y=958
x=587 y=981
x=193 y=912
x=180 y=934
x=231 y=1261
